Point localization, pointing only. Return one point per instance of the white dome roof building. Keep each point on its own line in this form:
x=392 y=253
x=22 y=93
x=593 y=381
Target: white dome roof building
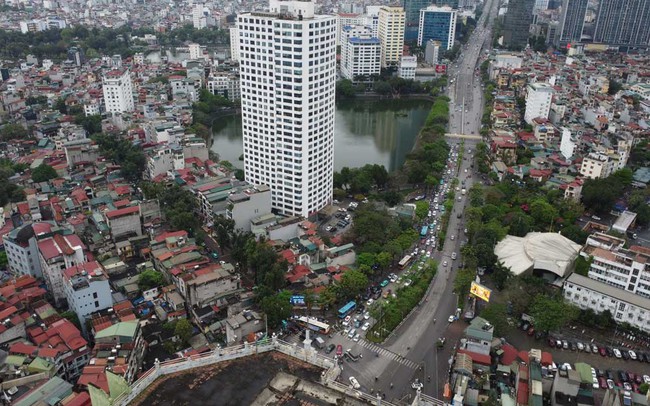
x=549 y=255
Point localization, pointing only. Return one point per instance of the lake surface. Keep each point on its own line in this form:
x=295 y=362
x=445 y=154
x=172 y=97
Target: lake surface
x=366 y=132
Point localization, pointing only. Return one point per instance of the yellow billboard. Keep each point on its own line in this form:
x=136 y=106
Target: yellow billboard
x=480 y=291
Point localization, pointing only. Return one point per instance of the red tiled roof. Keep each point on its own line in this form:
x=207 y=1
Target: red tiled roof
x=122 y=212
x=477 y=358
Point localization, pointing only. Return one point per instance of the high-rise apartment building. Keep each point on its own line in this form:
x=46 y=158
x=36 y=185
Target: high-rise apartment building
x=391 y=34
x=538 y=101
x=572 y=21
x=234 y=44
x=360 y=54
x=623 y=23
x=288 y=77
x=438 y=24
x=118 y=91
x=516 y=24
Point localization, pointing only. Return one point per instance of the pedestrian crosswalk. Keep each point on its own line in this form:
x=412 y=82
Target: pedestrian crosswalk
x=373 y=348
x=383 y=352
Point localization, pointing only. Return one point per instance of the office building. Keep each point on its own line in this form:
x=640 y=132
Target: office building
x=412 y=9
x=623 y=23
x=516 y=24
x=597 y=166
x=540 y=5
x=538 y=101
x=438 y=24
x=360 y=54
x=347 y=20
x=118 y=91
x=287 y=102
x=391 y=34
x=572 y=21
x=407 y=67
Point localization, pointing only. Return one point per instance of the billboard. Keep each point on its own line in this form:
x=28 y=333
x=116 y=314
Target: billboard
x=480 y=291
x=442 y=69
x=297 y=300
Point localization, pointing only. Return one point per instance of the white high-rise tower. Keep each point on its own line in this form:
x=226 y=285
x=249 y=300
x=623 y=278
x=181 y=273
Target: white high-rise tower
x=288 y=77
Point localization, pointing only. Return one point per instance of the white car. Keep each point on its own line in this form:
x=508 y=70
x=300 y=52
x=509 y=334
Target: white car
x=356 y=338
x=453 y=255
x=366 y=316
x=646 y=379
x=617 y=353
x=369 y=302
x=632 y=354
x=451 y=319
x=444 y=263
x=354 y=382
x=365 y=327
x=453 y=237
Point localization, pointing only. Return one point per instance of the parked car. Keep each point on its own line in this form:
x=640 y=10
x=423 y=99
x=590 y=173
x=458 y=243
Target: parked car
x=602 y=382
x=610 y=384
x=603 y=351
x=551 y=342
x=580 y=346
x=632 y=354
x=354 y=382
x=565 y=344
x=617 y=353
x=330 y=348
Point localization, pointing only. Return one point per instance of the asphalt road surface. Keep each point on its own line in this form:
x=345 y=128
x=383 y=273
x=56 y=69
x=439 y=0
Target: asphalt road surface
x=411 y=351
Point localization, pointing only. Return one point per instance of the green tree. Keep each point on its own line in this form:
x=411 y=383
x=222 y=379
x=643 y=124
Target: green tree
x=150 y=279
x=583 y=265
x=43 y=173
x=277 y=308
x=352 y=284
x=643 y=388
x=72 y=316
x=13 y=132
x=500 y=275
x=543 y=213
x=552 y=313
x=183 y=330
x=497 y=315
x=421 y=209
x=345 y=89
x=464 y=279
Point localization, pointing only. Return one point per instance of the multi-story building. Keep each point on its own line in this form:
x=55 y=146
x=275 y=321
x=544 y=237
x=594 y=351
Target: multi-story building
x=623 y=23
x=57 y=253
x=438 y=24
x=517 y=23
x=412 y=9
x=407 y=67
x=87 y=290
x=124 y=223
x=120 y=347
x=344 y=20
x=225 y=84
x=538 y=101
x=208 y=287
x=624 y=306
x=432 y=52
x=248 y=204
x=597 y=165
x=572 y=21
x=391 y=34
x=626 y=269
x=21 y=247
x=118 y=91
x=234 y=43
x=360 y=56
x=288 y=103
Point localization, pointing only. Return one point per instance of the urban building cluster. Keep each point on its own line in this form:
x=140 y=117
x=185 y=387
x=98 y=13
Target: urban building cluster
x=576 y=129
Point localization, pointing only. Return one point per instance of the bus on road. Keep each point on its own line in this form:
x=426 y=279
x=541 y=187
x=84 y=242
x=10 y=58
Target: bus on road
x=313 y=324
x=406 y=261
x=424 y=231
x=347 y=309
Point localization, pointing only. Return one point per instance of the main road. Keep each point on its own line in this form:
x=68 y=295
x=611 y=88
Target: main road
x=410 y=353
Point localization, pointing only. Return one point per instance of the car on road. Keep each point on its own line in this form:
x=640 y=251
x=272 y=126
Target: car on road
x=384 y=283
x=330 y=348
x=354 y=382
x=451 y=318
x=407 y=282
x=453 y=255
x=366 y=315
x=339 y=350
x=356 y=337
x=370 y=302
x=352 y=332
x=444 y=263
x=328 y=228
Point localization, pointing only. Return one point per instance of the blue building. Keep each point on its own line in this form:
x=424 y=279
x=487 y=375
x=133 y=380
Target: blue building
x=439 y=24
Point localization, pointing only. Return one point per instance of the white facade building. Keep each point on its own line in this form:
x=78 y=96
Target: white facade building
x=118 y=91
x=391 y=34
x=407 y=67
x=567 y=143
x=616 y=266
x=538 y=101
x=87 y=290
x=195 y=51
x=287 y=102
x=56 y=254
x=344 y=20
x=624 y=306
x=432 y=52
x=597 y=165
x=360 y=54
x=21 y=247
x=234 y=44
x=225 y=84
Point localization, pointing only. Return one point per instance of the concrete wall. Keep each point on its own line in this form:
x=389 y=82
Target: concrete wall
x=125 y=225
x=243 y=212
